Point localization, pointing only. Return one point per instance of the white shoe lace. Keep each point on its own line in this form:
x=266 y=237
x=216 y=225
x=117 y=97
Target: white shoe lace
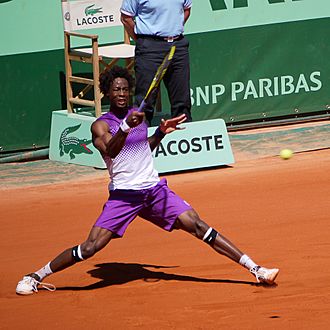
x=257 y=274
x=34 y=284
x=47 y=286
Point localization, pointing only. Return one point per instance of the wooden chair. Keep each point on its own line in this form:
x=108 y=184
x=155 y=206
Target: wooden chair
x=81 y=18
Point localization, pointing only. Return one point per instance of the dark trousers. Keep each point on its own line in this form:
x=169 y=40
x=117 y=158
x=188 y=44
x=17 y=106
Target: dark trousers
x=149 y=54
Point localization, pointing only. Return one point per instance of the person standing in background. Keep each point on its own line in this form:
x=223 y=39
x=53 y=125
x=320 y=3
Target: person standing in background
x=156 y=26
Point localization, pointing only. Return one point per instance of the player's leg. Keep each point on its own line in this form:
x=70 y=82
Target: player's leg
x=177 y=81
x=118 y=212
x=98 y=238
x=190 y=222
x=168 y=211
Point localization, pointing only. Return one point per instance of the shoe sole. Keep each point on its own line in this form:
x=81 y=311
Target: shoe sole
x=24 y=293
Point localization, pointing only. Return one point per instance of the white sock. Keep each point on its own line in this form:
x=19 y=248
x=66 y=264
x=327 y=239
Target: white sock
x=44 y=271
x=247 y=262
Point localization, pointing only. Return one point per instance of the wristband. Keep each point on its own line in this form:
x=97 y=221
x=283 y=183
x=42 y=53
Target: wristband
x=159 y=133
x=124 y=126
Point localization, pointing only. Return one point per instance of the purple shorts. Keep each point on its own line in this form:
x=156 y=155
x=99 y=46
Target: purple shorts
x=159 y=205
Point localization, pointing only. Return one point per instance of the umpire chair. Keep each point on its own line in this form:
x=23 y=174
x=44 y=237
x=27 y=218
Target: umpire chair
x=85 y=24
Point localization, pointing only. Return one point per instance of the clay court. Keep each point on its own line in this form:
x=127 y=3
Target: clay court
x=276 y=211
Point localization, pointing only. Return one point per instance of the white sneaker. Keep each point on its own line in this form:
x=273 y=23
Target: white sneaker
x=265 y=275
x=29 y=285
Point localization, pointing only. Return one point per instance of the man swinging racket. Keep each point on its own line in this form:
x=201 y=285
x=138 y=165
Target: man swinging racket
x=120 y=135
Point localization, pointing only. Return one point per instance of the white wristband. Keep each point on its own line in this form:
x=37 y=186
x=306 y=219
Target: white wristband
x=124 y=126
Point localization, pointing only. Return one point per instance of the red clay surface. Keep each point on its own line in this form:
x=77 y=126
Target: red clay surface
x=276 y=211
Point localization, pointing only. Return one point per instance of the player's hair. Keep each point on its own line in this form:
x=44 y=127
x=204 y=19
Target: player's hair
x=108 y=76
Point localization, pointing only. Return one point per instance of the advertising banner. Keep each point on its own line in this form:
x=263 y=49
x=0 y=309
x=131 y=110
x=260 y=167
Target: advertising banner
x=260 y=72
x=91 y=14
x=199 y=145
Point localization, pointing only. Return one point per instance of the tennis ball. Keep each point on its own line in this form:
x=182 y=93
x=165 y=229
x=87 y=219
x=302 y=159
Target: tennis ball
x=286 y=153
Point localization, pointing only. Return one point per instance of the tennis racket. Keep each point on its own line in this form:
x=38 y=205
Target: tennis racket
x=158 y=77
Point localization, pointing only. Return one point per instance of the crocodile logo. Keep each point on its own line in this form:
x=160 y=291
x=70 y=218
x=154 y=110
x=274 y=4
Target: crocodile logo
x=72 y=145
x=92 y=11
x=67 y=16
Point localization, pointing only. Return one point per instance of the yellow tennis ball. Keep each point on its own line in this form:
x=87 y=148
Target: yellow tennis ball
x=286 y=153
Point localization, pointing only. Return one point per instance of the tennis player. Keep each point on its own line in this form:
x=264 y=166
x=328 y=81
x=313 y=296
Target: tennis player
x=120 y=135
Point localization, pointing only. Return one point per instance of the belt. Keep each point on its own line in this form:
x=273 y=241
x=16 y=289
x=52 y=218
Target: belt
x=168 y=39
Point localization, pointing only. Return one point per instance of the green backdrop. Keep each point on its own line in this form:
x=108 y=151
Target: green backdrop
x=250 y=60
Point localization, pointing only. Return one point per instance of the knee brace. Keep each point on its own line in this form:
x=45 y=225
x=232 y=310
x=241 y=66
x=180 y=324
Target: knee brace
x=210 y=236
x=76 y=254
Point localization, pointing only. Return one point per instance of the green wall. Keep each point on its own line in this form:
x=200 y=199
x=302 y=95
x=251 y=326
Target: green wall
x=261 y=71
x=32 y=87
x=234 y=44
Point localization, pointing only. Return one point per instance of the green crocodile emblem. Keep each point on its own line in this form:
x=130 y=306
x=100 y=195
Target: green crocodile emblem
x=72 y=145
x=92 y=11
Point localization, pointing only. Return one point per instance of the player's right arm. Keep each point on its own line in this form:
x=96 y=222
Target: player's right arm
x=104 y=142
x=112 y=145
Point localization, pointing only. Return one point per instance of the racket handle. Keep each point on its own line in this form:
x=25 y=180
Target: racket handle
x=142 y=105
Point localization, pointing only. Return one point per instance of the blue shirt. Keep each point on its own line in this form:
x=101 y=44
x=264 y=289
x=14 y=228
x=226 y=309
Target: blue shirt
x=163 y=18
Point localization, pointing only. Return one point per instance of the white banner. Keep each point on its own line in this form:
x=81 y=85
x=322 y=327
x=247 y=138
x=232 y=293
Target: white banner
x=201 y=144
x=89 y=14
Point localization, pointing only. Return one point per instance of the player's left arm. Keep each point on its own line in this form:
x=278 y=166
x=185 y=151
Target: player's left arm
x=166 y=127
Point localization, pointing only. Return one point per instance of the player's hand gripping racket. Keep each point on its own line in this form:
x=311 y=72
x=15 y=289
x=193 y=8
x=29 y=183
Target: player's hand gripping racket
x=157 y=78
